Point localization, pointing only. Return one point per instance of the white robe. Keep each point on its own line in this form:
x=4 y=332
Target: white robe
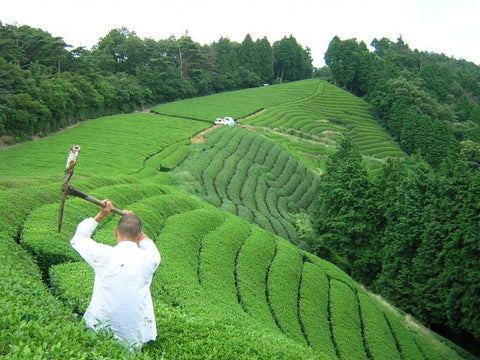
x=121 y=301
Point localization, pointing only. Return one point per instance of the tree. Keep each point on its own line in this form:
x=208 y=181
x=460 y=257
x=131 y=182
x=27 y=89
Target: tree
x=346 y=217
x=265 y=60
x=351 y=64
x=291 y=61
x=227 y=63
x=121 y=50
x=406 y=191
x=249 y=61
x=248 y=56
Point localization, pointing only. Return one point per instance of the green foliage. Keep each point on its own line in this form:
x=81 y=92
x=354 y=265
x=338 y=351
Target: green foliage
x=236 y=176
x=402 y=236
x=217 y=261
x=45 y=87
x=40 y=235
x=420 y=97
x=346 y=321
x=175 y=158
x=237 y=104
x=144 y=132
x=375 y=322
x=34 y=323
x=64 y=279
x=283 y=282
x=292 y=62
x=314 y=309
x=348 y=61
x=346 y=217
x=225 y=288
x=253 y=262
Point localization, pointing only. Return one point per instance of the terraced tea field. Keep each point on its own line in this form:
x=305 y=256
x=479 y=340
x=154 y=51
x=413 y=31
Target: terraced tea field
x=239 y=103
x=306 y=118
x=226 y=288
x=242 y=172
x=223 y=278
x=113 y=145
x=311 y=127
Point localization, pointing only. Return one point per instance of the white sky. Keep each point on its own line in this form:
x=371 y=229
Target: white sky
x=442 y=26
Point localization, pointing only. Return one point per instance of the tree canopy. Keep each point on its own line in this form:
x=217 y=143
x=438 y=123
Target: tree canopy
x=428 y=102
x=46 y=84
x=412 y=233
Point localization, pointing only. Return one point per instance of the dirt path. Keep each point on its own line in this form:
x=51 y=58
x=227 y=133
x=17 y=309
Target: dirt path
x=199 y=137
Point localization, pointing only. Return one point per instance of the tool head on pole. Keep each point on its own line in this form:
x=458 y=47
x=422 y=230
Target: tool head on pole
x=72 y=159
x=69 y=167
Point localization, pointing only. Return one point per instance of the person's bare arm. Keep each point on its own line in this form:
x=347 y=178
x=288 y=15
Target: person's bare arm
x=104 y=211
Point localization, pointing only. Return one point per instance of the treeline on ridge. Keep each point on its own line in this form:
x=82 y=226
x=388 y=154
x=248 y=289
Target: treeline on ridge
x=428 y=102
x=412 y=233
x=45 y=84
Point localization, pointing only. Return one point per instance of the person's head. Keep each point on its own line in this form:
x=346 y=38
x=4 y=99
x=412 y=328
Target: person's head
x=128 y=229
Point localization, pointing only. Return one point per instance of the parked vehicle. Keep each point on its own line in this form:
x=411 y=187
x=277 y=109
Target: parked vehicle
x=227 y=120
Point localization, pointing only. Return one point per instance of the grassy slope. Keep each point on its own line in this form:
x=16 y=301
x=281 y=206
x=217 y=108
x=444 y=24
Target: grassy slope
x=237 y=103
x=225 y=289
x=128 y=139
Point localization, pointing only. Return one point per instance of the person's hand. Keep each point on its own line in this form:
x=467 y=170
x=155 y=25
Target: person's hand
x=104 y=211
x=107 y=208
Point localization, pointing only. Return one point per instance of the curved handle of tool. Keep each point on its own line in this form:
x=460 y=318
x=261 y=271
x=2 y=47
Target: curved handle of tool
x=82 y=195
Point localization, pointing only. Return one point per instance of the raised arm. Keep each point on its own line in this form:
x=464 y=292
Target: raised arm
x=104 y=211
x=91 y=251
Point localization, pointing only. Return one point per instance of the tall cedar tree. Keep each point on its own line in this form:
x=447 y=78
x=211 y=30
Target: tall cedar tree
x=346 y=218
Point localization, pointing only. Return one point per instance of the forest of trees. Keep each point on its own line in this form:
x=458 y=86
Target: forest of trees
x=412 y=233
x=46 y=84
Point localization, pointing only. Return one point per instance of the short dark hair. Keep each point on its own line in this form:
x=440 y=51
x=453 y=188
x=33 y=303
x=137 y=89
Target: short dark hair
x=129 y=226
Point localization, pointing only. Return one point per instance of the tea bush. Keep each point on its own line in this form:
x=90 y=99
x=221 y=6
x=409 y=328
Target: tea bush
x=248 y=175
x=375 y=323
x=217 y=261
x=314 y=309
x=346 y=321
x=40 y=235
x=132 y=139
x=253 y=263
x=35 y=324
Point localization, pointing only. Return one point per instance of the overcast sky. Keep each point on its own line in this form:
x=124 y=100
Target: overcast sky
x=442 y=26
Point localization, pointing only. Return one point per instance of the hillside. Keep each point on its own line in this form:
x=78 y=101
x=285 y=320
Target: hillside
x=225 y=289
x=307 y=118
x=245 y=173
x=269 y=179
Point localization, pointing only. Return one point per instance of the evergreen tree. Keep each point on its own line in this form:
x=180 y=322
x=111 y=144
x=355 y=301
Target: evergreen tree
x=227 y=64
x=265 y=60
x=291 y=61
x=345 y=217
x=406 y=194
x=351 y=64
